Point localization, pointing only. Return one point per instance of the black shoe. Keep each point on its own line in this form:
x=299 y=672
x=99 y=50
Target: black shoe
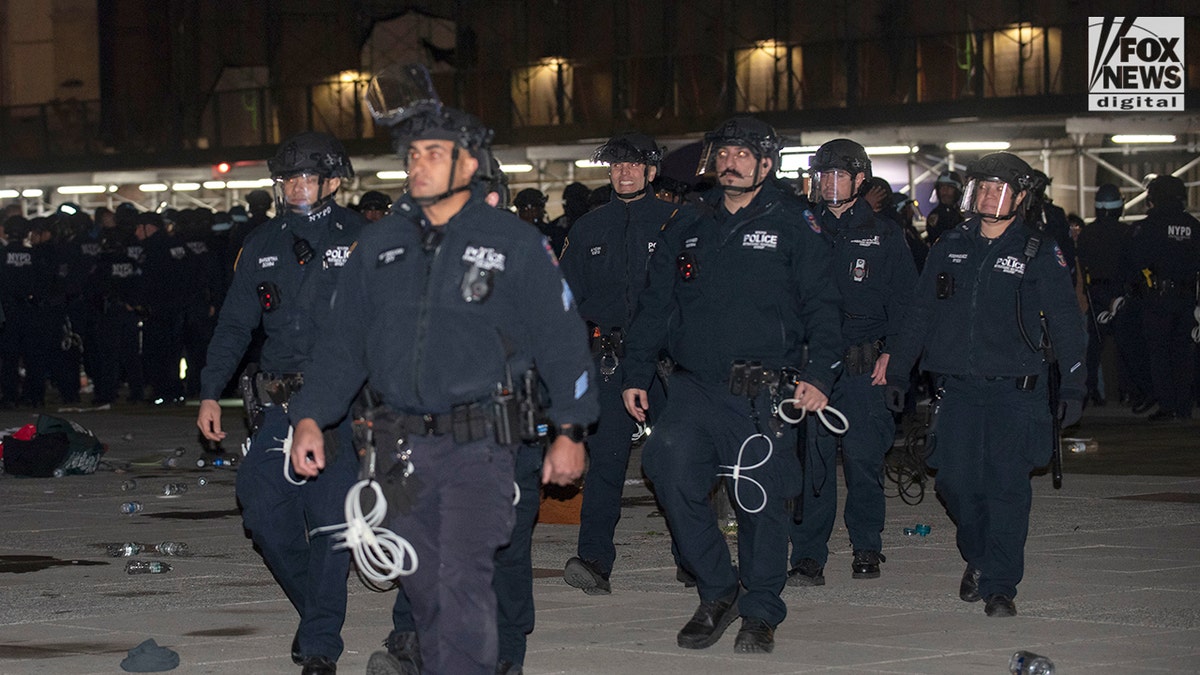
x=807 y=572
x=1163 y=417
x=586 y=576
x=403 y=655
x=755 y=637
x=1143 y=406
x=866 y=564
x=709 y=622
x=297 y=656
x=685 y=577
x=318 y=665
x=508 y=668
x=383 y=663
x=968 y=590
x=999 y=605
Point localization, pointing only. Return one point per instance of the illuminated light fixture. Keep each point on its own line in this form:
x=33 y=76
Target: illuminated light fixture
x=223 y=167
x=113 y=188
x=589 y=164
x=248 y=184
x=9 y=194
x=68 y=208
x=185 y=187
x=349 y=76
x=969 y=146
x=32 y=193
x=82 y=189
x=1143 y=138
x=802 y=149
x=794 y=162
x=153 y=187
x=892 y=150
x=391 y=175
x=516 y=168
x=214 y=185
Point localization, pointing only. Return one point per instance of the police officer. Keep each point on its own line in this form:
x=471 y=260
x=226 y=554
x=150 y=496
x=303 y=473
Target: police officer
x=164 y=260
x=946 y=215
x=1167 y=248
x=441 y=302
x=531 y=207
x=737 y=286
x=874 y=273
x=605 y=264
x=1100 y=249
x=31 y=302
x=119 y=282
x=286 y=274
x=975 y=324
x=512 y=580
x=204 y=268
x=374 y=205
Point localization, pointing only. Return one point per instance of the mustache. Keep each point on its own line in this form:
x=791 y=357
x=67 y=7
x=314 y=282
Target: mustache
x=731 y=172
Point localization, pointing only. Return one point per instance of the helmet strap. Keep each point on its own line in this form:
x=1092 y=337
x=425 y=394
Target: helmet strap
x=450 y=189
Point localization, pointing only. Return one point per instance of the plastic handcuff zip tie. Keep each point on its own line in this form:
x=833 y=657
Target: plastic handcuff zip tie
x=737 y=473
x=832 y=411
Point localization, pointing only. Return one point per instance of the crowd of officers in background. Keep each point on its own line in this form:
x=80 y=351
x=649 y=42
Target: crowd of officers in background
x=96 y=301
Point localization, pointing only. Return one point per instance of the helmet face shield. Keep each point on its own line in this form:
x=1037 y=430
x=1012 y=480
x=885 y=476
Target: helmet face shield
x=302 y=192
x=991 y=198
x=832 y=186
x=399 y=92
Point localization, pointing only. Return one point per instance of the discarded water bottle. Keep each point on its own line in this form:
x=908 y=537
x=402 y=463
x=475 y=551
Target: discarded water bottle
x=128 y=485
x=180 y=451
x=125 y=550
x=170 y=463
x=216 y=462
x=172 y=489
x=59 y=473
x=146 y=567
x=202 y=481
x=1028 y=663
x=131 y=507
x=172 y=548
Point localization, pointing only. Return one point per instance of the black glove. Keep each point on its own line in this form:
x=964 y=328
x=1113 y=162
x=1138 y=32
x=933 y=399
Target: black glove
x=1069 y=412
x=893 y=397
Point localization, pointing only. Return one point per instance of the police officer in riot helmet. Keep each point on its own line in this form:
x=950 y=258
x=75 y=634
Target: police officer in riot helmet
x=604 y=262
x=285 y=276
x=1103 y=249
x=726 y=275
x=445 y=302
x=946 y=215
x=374 y=205
x=993 y=305
x=874 y=273
x=1166 y=257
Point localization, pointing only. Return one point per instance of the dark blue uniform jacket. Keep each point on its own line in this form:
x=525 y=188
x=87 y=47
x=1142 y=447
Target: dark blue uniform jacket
x=761 y=290
x=975 y=332
x=606 y=256
x=268 y=255
x=874 y=271
x=401 y=319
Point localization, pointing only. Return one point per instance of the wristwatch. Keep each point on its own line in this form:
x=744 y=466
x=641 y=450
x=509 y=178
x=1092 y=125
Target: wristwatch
x=575 y=432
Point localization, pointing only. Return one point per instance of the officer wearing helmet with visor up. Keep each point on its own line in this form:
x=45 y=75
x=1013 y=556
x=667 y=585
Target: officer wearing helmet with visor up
x=874 y=273
x=946 y=216
x=284 y=278
x=605 y=262
x=994 y=295
x=737 y=287
x=445 y=306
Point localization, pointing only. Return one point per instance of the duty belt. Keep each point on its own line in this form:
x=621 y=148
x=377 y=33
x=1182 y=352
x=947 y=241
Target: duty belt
x=1022 y=382
x=610 y=347
x=860 y=359
x=1171 y=287
x=467 y=422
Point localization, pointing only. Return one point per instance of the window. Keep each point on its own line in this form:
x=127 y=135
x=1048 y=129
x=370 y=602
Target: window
x=1023 y=60
x=541 y=94
x=767 y=77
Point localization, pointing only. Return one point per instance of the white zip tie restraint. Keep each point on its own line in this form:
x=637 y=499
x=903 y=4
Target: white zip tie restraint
x=379 y=554
x=516 y=493
x=737 y=473
x=834 y=412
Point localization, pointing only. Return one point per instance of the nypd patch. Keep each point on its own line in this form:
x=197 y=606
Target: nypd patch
x=336 y=256
x=1058 y=255
x=812 y=221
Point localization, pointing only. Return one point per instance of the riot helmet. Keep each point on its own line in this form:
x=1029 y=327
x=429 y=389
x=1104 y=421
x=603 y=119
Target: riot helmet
x=756 y=136
x=237 y=214
x=495 y=181
x=834 y=170
x=1109 y=201
x=374 y=201
x=307 y=170
x=996 y=185
x=949 y=188
x=1167 y=192
x=259 y=201
x=621 y=153
x=530 y=204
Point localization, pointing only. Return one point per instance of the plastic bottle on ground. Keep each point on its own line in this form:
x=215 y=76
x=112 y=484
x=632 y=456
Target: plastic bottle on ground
x=146 y=567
